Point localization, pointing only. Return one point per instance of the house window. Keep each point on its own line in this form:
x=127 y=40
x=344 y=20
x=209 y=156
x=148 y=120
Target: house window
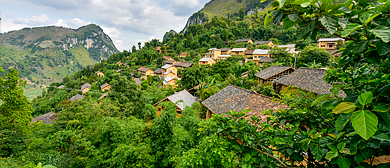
x=255 y=56
x=330 y=45
x=322 y=45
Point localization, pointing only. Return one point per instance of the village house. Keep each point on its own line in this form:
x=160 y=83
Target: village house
x=182 y=55
x=238 y=51
x=213 y=53
x=248 y=55
x=118 y=71
x=45 y=118
x=100 y=74
x=170 y=62
x=145 y=72
x=76 y=97
x=168 y=58
x=265 y=60
x=158 y=49
x=85 y=88
x=272 y=73
x=206 y=61
x=170 y=81
x=184 y=96
x=287 y=46
x=236 y=99
x=329 y=44
x=308 y=79
x=169 y=70
x=226 y=51
x=158 y=72
x=61 y=87
x=223 y=57
x=246 y=40
x=105 y=87
x=182 y=65
x=269 y=43
x=119 y=63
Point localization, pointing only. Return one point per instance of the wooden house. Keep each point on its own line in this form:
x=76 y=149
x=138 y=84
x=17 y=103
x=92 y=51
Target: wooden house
x=238 y=51
x=308 y=79
x=272 y=73
x=269 y=43
x=236 y=99
x=76 y=97
x=158 y=72
x=105 y=87
x=182 y=65
x=169 y=70
x=248 y=55
x=207 y=61
x=145 y=72
x=213 y=53
x=226 y=51
x=246 y=40
x=45 y=118
x=100 y=74
x=85 y=88
x=181 y=99
x=265 y=60
x=329 y=44
x=170 y=81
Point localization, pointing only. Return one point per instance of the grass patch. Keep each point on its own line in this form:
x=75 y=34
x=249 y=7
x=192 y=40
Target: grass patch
x=82 y=56
x=31 y=93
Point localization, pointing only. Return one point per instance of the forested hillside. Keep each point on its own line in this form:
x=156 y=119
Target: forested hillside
x=121 y=113
x=47 y=54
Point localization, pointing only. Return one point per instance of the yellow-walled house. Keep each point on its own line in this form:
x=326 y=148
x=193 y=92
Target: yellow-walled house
x=238 y=51
x=169 y=81
x=246 y=40
x=168 y=58
x=145 y=72
x=329 y=44
x=182 y=55
x=213 y=53
x=105 y=87
x=169 y=70
x=226 y=51
x=158 y=72
x=270 y=43
x=100 y=74
x=260 y=53
x=207 y=61
x=223 y=57
x=85 y=88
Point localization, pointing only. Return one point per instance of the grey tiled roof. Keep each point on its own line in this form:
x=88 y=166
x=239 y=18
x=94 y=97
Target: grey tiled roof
x=205 y=59
x=262 y=42
x=45 y=118
x=76 y=97
x=184 y=95
x=166 y=66
x=169 y=61
x=266 y=59
x=236 y=98
x=287 y=46
x=183 y=64
x=271 y=71
x=329 y=39
x=249 y=52
x=225 y=49
x=261 y=51
x=86 y=85
x=243 y=40
x=238 y=49
x=143 y=69
x=308 y=79
x=104 y=85
x=158 y=71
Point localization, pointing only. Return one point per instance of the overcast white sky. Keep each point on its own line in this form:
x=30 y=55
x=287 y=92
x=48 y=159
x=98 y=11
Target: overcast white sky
x=127 y=22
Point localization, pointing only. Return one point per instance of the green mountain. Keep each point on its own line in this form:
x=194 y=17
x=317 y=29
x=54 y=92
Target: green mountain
x=226 y=8
x=47 y=54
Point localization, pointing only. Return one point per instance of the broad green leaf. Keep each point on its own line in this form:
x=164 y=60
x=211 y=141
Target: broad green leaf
x=342 y=120
x=343 y=22
x=332 y=154
x=344 y=107
x=339 y=135
x=350 y=28
x=268 y=19
x=343 y=162
x=341 y=145
x=293 y=17
x=332 y=147
x=329 y=23
x=49 y=166
x=281 y=3
x=303 y=3
x=365 y=98
x=289 y=125
x=382 y=48
x=382 y=108
x=359 y=46
x=365 y=123
x=322 y=97
x=287 y=23
x=247 y=157
x=382 y=137
x=345 y=151
x=382 y=32
x=317 y=152
x=367 y=17
x=345 y=9
x=306 y=29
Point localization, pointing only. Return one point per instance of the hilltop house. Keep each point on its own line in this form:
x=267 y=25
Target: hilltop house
x=213 y=53
x=85 y=88
x=76 y=97
x=238 y=51
x=184 y=96
x=236 y=99
x=206 y=61
x=158 y=49
x=169 y=70
x=264 y=60
x=272 y=73
x=182 y=55
x=223 y=57
x=169 y=62
x=100 y=74
x=248 y=55
x=308 y=79
x=269 y=43
x=182 y=65
x=158 y=72
x=45 y=118
x=105 y=87
x=246 y=40
x=169 y=81
x=144 y=72
x=329 y=44
x=168 y=58
x=226 y=51
x=119 y=63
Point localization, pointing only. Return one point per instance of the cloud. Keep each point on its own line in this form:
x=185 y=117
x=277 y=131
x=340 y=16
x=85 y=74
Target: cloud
x=9 y=25
x=112 y=32
x=33 y=20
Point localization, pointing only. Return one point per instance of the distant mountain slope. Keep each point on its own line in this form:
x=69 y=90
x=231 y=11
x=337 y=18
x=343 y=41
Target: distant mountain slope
x=223 y=8
x=47 y=54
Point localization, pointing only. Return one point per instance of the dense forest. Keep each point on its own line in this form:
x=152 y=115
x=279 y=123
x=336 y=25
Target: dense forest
x=124 y=129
